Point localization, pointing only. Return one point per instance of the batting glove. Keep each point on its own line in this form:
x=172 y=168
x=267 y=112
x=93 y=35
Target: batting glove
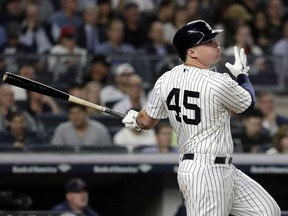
x=240 y=64
x=130 y=120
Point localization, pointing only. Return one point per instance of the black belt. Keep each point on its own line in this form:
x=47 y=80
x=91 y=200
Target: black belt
x=218 y=160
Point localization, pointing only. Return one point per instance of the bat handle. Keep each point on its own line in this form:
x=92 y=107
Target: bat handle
x=114 y=113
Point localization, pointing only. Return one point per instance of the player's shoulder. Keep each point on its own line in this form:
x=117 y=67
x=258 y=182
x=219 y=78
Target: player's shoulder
x=169 y=73
x=217 y=77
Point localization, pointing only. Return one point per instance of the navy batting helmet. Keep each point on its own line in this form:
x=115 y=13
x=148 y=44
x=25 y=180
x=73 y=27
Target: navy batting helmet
x=192 y=34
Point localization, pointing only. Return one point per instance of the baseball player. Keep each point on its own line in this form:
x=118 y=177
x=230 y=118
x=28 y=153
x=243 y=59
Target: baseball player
x=197 y=102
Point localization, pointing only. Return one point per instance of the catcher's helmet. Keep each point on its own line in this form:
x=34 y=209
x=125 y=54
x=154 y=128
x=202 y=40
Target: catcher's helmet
x=192 y=34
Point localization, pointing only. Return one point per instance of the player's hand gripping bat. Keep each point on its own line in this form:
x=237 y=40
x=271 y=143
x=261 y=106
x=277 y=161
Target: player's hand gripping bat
x=40 y=88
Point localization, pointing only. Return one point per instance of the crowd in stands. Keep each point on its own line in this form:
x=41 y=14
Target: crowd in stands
x=110 y=52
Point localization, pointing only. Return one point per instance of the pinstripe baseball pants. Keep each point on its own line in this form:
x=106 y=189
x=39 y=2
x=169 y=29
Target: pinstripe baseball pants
x=211 y=189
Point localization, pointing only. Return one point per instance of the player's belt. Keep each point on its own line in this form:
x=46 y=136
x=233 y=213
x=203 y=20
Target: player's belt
x=218 y=160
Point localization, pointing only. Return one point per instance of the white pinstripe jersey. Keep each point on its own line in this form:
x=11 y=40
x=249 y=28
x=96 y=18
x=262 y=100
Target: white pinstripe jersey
x=197 y=103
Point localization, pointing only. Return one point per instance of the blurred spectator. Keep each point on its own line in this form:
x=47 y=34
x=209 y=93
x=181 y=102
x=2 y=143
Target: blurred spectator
x=163 y=13
x=180 y=18
x=243 y=38
x=99 y=69
x=261 y=31
x=39 y=104
x=276 y=14
x=3 y=38
x=80 y=130
x=69 y=65
x=77 y=198
x=234 y=16
x=145 y=7
x=115 y=92
x=67 y=15
x=115 y=43
x=280 y=51
x=28 y=72
x=135 y=32
x=158 y=46
x=207 y=11
x=34 y=33
x=252 y=5
x=262 y=71
x=193 y=10
x=90 y=34
x=131 y=138
x=7 y=105
x=163 y=132
x=271 y=119
x=45 y=8
x=13 y=12
x=18 y=133
x=105 y=13
x=135 y=97
x=75 y=89
x=84 y=3
x=14 y=46
x=91 y=93
x=254 y=137
x=280 y=141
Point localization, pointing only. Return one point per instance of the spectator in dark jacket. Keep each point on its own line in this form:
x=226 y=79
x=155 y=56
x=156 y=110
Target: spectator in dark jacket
x=76 y=198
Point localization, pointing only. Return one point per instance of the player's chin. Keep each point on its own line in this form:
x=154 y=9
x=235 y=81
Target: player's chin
x=217 y=57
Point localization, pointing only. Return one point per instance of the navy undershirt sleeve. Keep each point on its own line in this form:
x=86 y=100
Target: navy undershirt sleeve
x=244 y=82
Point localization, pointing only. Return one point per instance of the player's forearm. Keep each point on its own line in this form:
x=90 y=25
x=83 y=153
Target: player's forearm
x=144 y=121
x=244 y=82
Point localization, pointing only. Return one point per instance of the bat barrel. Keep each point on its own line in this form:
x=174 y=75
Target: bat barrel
x=32 y=85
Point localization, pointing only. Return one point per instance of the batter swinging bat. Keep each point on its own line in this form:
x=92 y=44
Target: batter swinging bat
x=40 y=88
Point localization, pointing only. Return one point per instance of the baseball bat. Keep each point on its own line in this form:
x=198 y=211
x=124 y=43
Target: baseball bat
x=41 y=88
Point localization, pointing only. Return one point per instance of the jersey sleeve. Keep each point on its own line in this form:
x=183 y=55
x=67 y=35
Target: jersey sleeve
x=156 y=106
x=230 y=94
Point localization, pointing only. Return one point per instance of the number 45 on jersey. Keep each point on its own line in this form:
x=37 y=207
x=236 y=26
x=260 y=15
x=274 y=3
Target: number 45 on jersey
x=174 y=93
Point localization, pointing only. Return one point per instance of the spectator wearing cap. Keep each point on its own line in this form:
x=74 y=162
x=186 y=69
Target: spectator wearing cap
x=98 y=70
x=115 y=44
x=90 y=34
x=73 y=59
x=116 y=91
x=77 y=199
x=135 y=97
